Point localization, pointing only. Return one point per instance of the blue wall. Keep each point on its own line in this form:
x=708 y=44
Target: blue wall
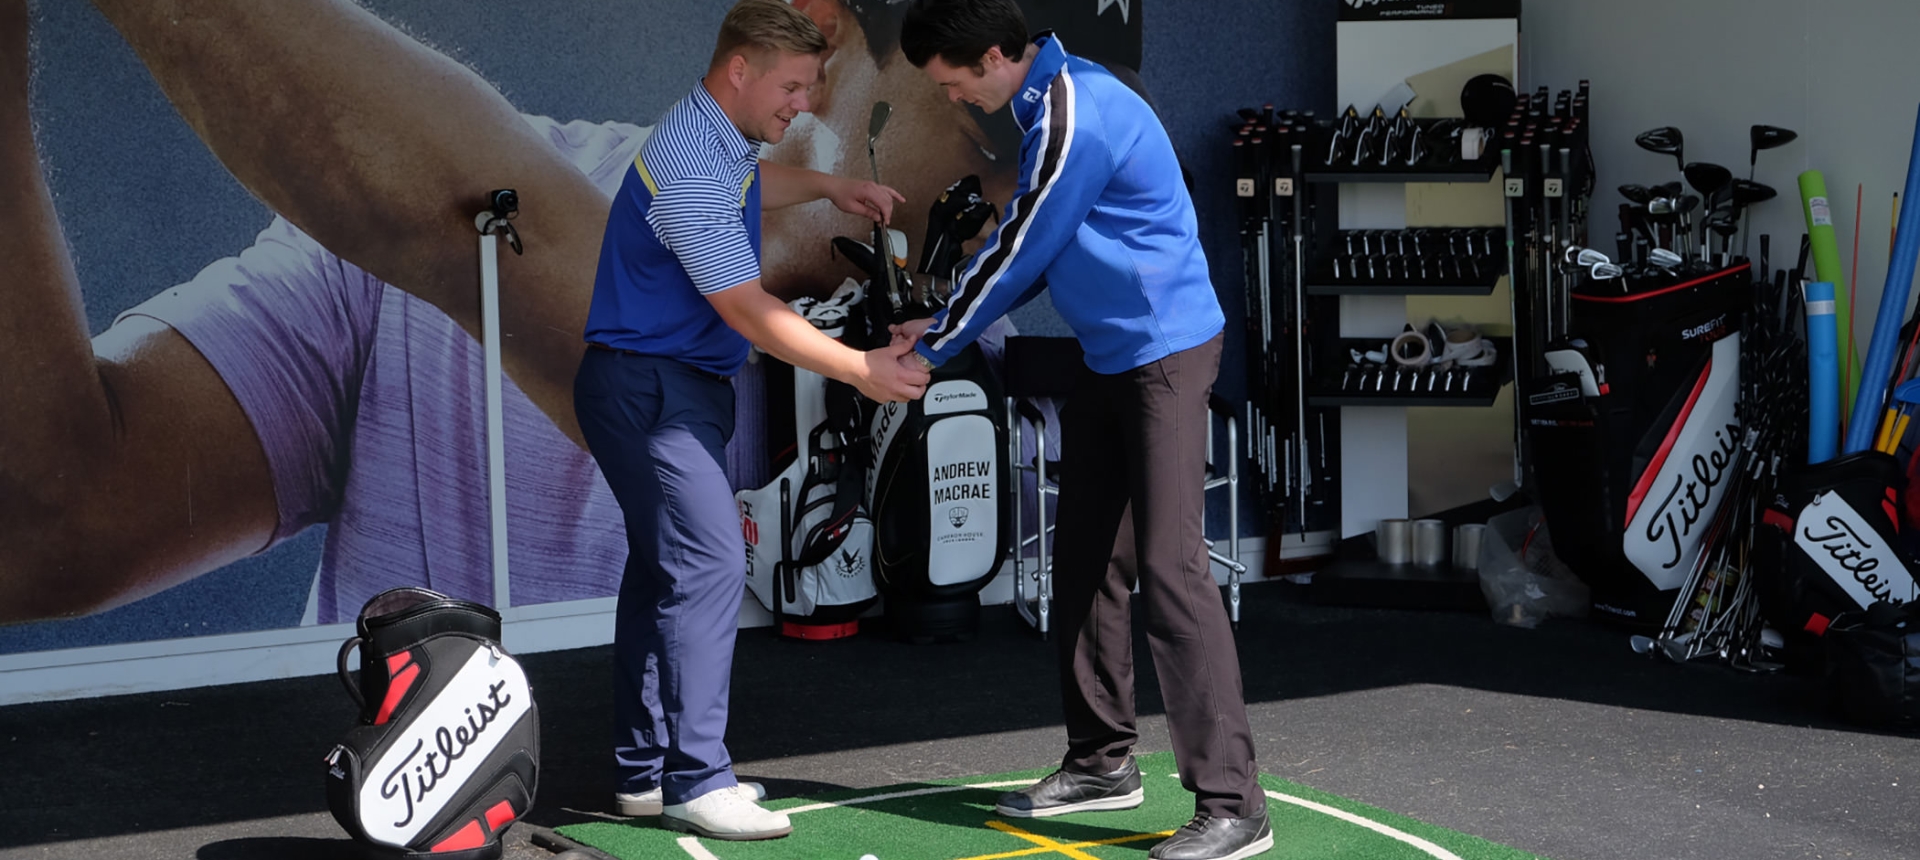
x=1204 y=60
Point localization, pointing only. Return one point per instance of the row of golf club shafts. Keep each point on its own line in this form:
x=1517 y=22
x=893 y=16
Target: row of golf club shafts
x=1269 y=155
x=1549 y=175
x=1451 y=255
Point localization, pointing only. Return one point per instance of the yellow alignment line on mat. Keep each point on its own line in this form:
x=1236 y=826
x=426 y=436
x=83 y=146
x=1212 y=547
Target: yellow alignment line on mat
x=1049 y=846
x=1375 y=826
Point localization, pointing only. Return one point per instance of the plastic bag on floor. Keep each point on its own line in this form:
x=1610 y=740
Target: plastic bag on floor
x=1523 y=581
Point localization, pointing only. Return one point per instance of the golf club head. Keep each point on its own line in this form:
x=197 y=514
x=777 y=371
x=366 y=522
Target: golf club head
x=1706 y=177
x=1686 y=205
x=1664 y=258
x=1589 y=257
x=1665 y=140
x=1636 y=193
x=1723 y=222
x=1767 y=137
x=877 y=122
x=1669 y=189
x=1747 y=192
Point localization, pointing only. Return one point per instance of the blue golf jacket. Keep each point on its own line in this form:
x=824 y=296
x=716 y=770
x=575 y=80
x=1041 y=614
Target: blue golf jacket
x=1103 y=214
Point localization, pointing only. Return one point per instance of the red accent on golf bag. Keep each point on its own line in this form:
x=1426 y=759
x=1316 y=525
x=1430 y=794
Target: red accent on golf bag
x=447 y=750
x=1629 y=481
x=1831 y=545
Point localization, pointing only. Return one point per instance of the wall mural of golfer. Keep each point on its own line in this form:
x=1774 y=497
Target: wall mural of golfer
x=242 y=383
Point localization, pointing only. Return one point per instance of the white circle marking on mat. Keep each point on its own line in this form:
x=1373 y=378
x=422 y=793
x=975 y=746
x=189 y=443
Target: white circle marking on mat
x=1375 y=826
x=697 y=851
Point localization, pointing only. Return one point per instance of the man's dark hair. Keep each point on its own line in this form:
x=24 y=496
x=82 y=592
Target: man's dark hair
x=960 y=32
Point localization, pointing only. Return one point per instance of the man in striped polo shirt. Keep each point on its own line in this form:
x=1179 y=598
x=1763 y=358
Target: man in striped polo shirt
x=677 y=302
x=1102 y=218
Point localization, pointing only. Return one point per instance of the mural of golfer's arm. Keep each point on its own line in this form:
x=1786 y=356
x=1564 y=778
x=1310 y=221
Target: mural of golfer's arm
x=1065 y=164
x=383 y=150
x=126 y=465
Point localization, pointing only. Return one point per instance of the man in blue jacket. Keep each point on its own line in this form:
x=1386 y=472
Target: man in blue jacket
x=1103 y=218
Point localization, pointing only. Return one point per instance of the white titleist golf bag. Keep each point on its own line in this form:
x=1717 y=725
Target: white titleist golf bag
x=808 y=535
x=447 y=749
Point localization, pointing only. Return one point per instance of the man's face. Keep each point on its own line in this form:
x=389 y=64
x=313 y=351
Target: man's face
x=774 y=91
x=930 y=143
x=984 y=86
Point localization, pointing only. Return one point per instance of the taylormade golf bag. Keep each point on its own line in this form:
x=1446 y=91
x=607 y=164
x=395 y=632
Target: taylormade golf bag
x=809 y=538
x=939 y=497
x=937 y=480
x=1633 y=434
x=447 y=751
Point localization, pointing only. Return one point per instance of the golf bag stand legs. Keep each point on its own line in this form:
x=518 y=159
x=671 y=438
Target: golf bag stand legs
x=1038 y=615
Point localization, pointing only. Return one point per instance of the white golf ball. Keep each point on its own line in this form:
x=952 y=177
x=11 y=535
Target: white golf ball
x=868 y=857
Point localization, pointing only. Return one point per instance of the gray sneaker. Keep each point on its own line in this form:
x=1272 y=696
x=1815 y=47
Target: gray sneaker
x=1064 y=791
x=1209 y=838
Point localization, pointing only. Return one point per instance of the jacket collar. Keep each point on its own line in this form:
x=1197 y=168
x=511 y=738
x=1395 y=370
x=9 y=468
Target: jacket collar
x=1048 y=59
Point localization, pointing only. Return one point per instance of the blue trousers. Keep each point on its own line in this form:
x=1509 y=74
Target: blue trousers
x=659 y=429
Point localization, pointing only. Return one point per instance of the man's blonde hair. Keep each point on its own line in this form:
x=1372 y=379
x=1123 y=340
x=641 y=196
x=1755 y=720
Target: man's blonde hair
x=756 y=29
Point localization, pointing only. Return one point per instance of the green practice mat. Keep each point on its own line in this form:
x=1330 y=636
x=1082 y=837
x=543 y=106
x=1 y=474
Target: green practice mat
x=954 y=820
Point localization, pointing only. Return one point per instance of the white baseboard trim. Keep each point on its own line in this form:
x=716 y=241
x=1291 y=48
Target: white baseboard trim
x=178 y=664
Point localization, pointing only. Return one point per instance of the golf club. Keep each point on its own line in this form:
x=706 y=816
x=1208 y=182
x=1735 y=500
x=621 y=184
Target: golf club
x=1766 y=137
x=1665 y=140
x=882 y=243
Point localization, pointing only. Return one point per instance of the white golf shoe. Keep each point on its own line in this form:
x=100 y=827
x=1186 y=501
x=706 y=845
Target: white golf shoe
x=725 y=814
x=650 y=802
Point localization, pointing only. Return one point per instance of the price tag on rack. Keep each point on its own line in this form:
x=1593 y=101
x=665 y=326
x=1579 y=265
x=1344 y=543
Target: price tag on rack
x=1553 y=188
x=1283 y=187
x=1243 y=187
x=1516 y=187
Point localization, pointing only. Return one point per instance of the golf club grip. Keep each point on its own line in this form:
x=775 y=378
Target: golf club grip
x=1823 y=374
x=1815 y=208
x=1883 y=349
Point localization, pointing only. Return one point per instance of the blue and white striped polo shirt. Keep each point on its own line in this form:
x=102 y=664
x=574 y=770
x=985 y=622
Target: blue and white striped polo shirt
x=685 y=224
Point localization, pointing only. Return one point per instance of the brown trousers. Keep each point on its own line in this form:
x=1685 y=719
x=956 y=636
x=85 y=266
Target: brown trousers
x=1133 y=449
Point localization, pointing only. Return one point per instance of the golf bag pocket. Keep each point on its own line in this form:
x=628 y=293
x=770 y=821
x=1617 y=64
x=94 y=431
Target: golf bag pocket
x=1633 y=452
x=1830 y=544
x=446 y=751
x=1873 y=665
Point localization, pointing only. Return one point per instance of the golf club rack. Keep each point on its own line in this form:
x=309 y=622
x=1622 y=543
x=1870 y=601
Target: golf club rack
x=899 y=502
x=1660 y=410
x=1298 y=264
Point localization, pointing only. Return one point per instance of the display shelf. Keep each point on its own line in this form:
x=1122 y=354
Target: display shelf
x=1323 y=287
x=1482 y=387
x=1478 y=172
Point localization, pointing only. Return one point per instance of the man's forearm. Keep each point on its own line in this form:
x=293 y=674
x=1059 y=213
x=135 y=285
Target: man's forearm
x=790 y=186
x=773 y=327
x=383 y=149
